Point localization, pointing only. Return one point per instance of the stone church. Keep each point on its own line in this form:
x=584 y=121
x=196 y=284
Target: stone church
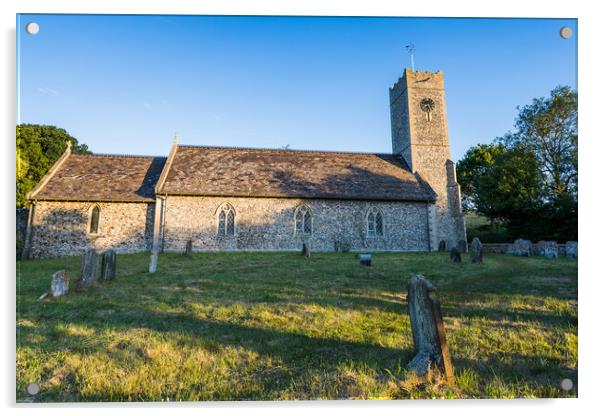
x=261 y=199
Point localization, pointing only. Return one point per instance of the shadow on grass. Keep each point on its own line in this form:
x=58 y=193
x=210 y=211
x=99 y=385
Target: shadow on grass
x=139 y=300
x=299 y=356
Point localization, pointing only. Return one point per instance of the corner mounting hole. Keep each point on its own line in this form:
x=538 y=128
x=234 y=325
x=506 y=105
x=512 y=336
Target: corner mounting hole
x=32 y=28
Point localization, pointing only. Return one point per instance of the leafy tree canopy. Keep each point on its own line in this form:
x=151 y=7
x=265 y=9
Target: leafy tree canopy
x=548 y=128
x=38 y=147
x=528 y=178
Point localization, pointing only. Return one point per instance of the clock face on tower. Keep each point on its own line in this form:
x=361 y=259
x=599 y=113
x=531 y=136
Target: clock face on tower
x=427 y=105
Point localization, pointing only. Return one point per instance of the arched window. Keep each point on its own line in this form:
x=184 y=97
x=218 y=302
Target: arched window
x=225 y=217
x=94 y=219
x=375 y=222
x=303 y=221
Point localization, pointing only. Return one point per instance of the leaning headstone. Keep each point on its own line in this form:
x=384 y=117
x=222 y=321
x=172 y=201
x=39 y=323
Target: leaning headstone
x=428 y=331
x=455 y=256
x=109 y=265
x=59 y=286
x=442 y=246
x=154 y=257
x=188 y=250
x=476 y=251
x=89 y=270
x=520 y=248
x=462 y=246
x=550 y=249
x=305 y=250
x=365 y=259
x=571 y=249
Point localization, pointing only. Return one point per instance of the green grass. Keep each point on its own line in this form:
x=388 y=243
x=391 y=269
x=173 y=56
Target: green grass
x=277 y=326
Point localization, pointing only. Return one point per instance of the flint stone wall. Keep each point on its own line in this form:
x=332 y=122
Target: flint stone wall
x=268 y=224
x=61 y=228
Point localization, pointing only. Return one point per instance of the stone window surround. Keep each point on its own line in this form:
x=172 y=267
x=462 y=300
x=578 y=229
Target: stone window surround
x=375 y=210
x=98 y=232
x=225 y=206
x=311 y=217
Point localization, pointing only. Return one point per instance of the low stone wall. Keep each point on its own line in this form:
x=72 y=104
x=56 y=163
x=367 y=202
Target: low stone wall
x=502 y=248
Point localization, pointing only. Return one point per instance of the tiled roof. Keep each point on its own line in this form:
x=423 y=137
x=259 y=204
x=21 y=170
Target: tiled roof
x=197 y=170
x=102 y=178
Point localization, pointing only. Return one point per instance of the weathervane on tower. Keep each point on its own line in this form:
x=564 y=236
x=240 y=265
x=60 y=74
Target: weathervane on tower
x=410 y=48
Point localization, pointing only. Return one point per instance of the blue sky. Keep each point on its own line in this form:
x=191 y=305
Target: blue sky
x=125 y=84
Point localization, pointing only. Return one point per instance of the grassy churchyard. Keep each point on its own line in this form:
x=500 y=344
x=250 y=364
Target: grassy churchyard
x=277 y=326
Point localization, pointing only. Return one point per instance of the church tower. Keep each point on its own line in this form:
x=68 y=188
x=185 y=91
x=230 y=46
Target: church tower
x=419 y=135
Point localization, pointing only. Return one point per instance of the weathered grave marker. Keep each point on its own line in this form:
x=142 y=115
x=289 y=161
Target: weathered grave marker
x=571 y=249
x=89 y=270
x=108 y=270
x=428 y=331
x=305 y=250
x=550 y=249
x=345 y=246
x=442 y=245
x=537 y=249
x=59 y=285
x=154 y=257
x=188 y=250
x=365 y=259
x=455 y=256
x=476 y=251
x=520 y=247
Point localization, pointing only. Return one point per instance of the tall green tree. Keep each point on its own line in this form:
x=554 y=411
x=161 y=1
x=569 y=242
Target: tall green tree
x=548 y=128
x=38 y=147
x=500 y=183
x=477 y=161
x=528 y=178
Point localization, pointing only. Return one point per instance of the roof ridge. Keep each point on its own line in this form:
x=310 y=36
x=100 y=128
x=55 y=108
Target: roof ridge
x=198 y=146
x=118 y=155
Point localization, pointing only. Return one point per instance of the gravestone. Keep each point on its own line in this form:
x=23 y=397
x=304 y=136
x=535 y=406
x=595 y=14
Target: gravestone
x=537 y=249
x=337 y=246
x=109 y=265
x=154 y=257
x=345 y=246
x=520 y=247
x=571 y=249
x=428 y=332
x=476 y=251
x=188 y=250
x=59 y=286
x=550 y=249
x=455 y=256
x=442 y=246
x=365 y=259
x=89 y=270
x=462 y=246
x=305 y=250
